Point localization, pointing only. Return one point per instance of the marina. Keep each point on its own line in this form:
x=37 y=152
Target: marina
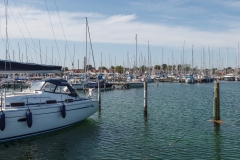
x=178 y=126
x=126 y=80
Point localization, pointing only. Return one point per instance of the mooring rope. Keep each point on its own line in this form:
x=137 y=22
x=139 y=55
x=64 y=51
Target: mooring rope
x=194 y=124
x=53 y=31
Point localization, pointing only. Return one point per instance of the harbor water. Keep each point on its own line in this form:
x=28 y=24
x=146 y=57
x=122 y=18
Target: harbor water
x=178 y=126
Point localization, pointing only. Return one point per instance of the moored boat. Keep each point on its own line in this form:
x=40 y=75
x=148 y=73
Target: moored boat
x=48 y=105
x=229 y=77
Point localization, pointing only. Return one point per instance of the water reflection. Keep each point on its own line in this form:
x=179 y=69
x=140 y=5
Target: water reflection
x=217 y=141
x=56 y=145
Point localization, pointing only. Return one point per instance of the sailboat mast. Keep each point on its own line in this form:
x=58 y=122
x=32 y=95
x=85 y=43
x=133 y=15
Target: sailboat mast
x=86 y=49
x=183 y=54
x=136 y=50
x=227 y=60
x=101 y=62
x=6 y=5
x=238 y=55
x=192 y=59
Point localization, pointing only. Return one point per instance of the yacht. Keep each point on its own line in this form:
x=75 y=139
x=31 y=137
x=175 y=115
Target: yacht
x=48 y=105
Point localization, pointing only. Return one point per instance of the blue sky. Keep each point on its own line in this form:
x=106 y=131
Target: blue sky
x=213 y=25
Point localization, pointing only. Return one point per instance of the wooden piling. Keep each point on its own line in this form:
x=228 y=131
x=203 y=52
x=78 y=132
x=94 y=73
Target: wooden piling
x=216 y=105
x=104 y=86
x=99 y=96
x=21 y=86
x=145 y=98
x=14 y=85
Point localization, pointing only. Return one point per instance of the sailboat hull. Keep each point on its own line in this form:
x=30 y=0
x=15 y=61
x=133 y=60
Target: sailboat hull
x=45 y=118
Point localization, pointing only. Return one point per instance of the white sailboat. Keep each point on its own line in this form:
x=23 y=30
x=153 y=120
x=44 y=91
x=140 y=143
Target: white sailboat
x=133 y=82
x=190 y=78
x=48 y=105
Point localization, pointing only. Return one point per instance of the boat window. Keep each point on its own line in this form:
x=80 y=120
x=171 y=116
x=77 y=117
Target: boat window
x=62 y=89
x=48 y=87
x=36 y=85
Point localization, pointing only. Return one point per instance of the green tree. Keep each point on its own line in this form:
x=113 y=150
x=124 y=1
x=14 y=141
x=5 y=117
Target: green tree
x=103 y=68
x=119 y=69
x=143 y=68
x=179 y=67
x=65 y=69
x=164 y=66
x=157 y=67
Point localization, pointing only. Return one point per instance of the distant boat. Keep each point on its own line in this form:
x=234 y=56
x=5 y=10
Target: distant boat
x=229 y=77
x=205 y=79
x=190 y=79
x=102 y=85
x=134 y=83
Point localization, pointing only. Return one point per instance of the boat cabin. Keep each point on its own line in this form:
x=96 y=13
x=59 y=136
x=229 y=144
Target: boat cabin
x=53 y=86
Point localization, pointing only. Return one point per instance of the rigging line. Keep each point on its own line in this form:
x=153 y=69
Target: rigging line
x=194 y=124
x=91 y=44
x=63 y=31
x=53 y=32
x=4 y=41
x=6 y=5
x=29 y=51
x=21 y=30
x=25 y=26
x=18 y=27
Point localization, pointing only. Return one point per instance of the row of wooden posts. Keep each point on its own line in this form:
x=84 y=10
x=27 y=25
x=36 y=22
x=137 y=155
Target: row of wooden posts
x=216 y=104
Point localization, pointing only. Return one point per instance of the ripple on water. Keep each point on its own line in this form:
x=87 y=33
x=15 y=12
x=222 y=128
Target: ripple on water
x=177 y=127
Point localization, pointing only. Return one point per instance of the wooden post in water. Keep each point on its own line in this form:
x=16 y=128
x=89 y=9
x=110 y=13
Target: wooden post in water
x=104 y=86
x=14 y=85
x=21 y=86
x=145 y=98
x=216 y=105
x=99 y=96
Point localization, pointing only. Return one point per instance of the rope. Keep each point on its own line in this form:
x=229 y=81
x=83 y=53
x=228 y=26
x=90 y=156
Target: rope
x=170 y=144
x=63 y=31
x=91 y=44
x=53 y=32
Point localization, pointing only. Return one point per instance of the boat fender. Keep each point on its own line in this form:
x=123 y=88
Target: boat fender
x=2 y=120
x=29 y=118
x=63 y=110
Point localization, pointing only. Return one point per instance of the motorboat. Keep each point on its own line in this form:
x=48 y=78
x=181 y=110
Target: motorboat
x=103 y=85
x=134 y=83
x=205 y=79
x=190 y=79
x=229 y=77
x=48 y=105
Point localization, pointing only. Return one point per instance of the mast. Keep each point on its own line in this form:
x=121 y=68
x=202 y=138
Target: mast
x=172 y=63
x=148 y=58
x=183 y=52
x=162 y=59
x=6 y=5
x=226 y=60
x=86 y=49
x=101 y=62
x=136 y=50
x=52 y=55
x=192 y=59
x=238 y=55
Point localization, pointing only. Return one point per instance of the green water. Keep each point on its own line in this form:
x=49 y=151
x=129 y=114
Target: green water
x=177 y=127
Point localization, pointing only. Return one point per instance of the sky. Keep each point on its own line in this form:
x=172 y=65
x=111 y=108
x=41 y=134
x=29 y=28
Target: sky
x=196 y=32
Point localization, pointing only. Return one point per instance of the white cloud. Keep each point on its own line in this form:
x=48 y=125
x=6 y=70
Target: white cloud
x=111 y=29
